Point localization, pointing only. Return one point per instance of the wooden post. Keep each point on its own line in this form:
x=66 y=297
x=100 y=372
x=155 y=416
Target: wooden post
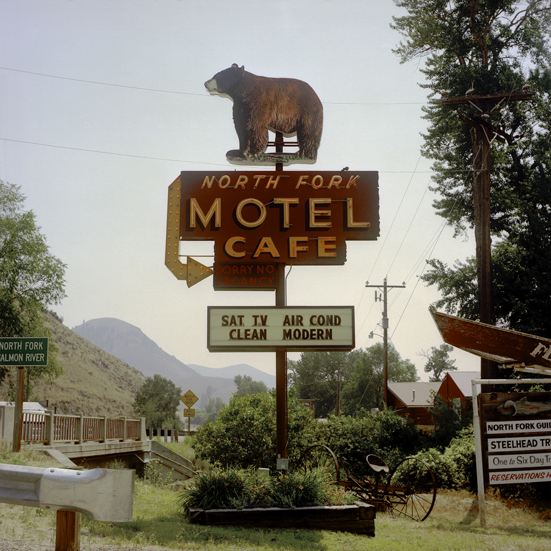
x=103 y=430
x=385 y=331
x=483 y=237
x=281 y=355
x=80 y=429
x=67 y=534
x=281 y=377
x=50 y=429
x=481 y=132
x=18 y=415
x=385 y=345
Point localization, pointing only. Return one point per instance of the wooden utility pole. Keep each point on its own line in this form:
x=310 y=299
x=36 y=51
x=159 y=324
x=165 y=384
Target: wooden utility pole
x=483 y=134
x=385 y=331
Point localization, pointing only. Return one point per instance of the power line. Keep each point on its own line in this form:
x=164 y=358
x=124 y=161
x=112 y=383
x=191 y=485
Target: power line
x=42 y=144
x=104 y=83
x=101 y=83
x=108 y=152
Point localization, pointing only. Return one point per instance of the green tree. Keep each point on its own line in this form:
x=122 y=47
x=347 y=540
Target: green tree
x=318 y=376
x=30 y=277
x=157 y=400
x=490 y=47
x=364 y=388
x=438 y=362
x=246 y=385
x=210 y=413
x=244 y=434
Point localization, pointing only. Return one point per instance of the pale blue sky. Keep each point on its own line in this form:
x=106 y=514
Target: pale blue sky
x=96 y=149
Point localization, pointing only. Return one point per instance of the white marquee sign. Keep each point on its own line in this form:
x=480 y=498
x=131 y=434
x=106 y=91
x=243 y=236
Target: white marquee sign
x=265 y=328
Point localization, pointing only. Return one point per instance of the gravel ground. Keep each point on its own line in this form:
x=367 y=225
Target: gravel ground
x=22 y=545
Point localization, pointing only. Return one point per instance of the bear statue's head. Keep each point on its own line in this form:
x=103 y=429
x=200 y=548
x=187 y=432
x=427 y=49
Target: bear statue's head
x=223 y=82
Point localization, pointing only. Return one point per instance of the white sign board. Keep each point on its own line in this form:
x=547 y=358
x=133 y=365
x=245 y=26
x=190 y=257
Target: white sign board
x=519 y=444
x=507 y=427
x=268 y=328
x=520 y=477
x=519 y=460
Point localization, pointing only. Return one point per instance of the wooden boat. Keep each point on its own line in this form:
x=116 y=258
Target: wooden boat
x=522 y=351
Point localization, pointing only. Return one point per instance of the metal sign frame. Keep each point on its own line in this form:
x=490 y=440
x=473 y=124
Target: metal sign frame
x=271 y=328
x=294 y=217
x=478 y=434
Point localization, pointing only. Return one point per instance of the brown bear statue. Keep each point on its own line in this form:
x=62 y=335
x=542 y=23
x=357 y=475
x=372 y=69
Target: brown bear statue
x=286 y=105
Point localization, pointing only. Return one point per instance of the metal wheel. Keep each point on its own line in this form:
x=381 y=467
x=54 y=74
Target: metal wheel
x=320 y=456
x=411 y=490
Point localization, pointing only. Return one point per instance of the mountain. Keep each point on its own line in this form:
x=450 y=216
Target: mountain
x=132 y=346
x=93 y=383
x=105 y=362
x=232 y=370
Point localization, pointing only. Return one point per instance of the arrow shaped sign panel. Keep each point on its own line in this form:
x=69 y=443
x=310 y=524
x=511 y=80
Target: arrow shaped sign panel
x=193 y=272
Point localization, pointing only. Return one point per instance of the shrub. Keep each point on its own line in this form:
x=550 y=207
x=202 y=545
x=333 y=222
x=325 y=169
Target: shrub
x=387 y=435
x=232 y=488
x=455 y=467
x=153 y=474
x=228 y=488
x=306 y=489
x=244 y=434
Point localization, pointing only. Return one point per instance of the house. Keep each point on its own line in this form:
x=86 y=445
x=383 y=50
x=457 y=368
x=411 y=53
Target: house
x=413 y=400
x=458 y=385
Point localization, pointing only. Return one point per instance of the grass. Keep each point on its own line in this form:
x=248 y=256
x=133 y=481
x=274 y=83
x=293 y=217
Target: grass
x=158 y=521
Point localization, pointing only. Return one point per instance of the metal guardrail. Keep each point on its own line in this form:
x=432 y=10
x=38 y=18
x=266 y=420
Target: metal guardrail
x=102 y=494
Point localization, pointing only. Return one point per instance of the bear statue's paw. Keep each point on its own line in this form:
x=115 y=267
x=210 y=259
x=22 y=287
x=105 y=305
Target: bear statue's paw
x=235 y=155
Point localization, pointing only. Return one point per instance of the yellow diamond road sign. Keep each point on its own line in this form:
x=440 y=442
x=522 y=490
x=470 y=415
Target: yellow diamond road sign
x=189 y=399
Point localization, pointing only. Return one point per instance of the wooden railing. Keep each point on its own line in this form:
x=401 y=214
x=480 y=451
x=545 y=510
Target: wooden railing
x=49 y=428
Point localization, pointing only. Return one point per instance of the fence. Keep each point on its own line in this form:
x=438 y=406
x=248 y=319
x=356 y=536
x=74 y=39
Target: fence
x=48 y=428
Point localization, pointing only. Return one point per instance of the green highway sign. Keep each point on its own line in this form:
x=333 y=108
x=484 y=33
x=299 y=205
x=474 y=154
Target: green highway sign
x=23 y=351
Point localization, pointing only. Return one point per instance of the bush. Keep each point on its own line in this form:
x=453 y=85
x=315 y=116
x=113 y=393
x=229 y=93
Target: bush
x=306 y=489
x=244 y=434
x=455 y=467
x=228 y=488
x=387 y=435
x=232 y=488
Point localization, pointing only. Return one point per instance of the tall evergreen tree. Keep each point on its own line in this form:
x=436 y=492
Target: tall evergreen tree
x=490 y=47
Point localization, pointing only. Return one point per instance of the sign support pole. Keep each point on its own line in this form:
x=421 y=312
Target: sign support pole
x=281 y=376
x=281 y=355
x=18 y=416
